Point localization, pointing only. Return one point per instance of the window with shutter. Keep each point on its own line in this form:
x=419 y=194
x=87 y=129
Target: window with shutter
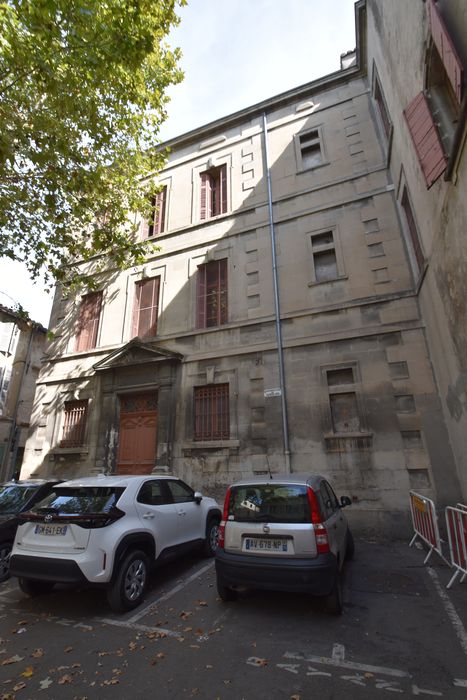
x=446 y=50
x=212 y=308
x=425 y=138
x=74 y=423
x=156 y=222
x=146 y=308
x=211 y=412
x=88 y=321
x=213 y=192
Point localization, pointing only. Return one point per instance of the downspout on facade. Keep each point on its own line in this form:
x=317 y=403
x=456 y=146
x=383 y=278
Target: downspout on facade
x=285 y=429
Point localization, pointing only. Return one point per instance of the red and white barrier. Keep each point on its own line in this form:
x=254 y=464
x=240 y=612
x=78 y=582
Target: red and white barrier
x=456 y=523
x=425 y=523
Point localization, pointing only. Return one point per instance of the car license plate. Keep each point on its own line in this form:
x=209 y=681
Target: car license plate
x=264 y=544
x=50 y=529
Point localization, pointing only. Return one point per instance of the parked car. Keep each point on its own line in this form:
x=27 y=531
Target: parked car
x=285 y=533
x=109 y=531
x=16 y=497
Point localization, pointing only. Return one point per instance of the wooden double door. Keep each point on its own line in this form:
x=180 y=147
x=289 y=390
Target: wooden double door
x=137 y=445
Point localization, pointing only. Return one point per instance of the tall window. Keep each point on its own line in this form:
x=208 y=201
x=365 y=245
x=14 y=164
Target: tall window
x=382 y=109
x=213 y=192
x=88 y=321
x=212 y=294
x=412 y=230
x=324 y=257
x=156 y=222
x=311 y=153
x=212 y=418
x=343 y=402
x=146 y=307
x=74 y=424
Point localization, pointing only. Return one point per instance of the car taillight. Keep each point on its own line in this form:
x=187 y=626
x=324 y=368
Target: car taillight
x=321 y=534
x=225 y=515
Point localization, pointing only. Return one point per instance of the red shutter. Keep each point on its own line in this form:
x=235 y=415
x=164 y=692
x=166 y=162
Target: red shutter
x=88 y=321
x=144 y=228
x=446 y=50
x=425 y=138
x=201 y=298
x=205 y=196
x=223 y=306
x=223 y=189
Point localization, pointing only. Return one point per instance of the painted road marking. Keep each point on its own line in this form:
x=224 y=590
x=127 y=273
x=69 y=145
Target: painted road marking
x=170 y=593
x=460 y=682
x=341 y=663
x=338 y=652
x=450 y=610
x=423 y=691
x=141 y=628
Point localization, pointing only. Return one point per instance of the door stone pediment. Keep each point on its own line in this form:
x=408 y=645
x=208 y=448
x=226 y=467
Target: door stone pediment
x=136 y=353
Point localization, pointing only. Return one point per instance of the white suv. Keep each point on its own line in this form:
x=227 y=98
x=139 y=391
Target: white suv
x=285 y=533
x=109 y=530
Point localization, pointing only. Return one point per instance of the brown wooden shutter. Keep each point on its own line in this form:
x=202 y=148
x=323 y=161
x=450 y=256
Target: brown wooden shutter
x=159 y=213
x=146 y=308
x=425 y=138
x=223 y=189
x=144 y=228
x=201 y=297
x=205 y=192
x=88 y=321
x=446 y=50
x=223 y=305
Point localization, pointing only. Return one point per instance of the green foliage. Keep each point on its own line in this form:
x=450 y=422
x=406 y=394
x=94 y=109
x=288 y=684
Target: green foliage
x=82 y=98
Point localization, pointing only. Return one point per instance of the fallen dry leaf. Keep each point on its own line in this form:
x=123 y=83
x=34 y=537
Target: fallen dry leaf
x=28 y=672
x=68 y=649
x=19 y=686
x=112 y=681
x=295 y=697
x=185 y=614
x=65 y=679
x=12 y=660
x=38 y=653
x=201 y=602
x=132 y=646
x=44 y=684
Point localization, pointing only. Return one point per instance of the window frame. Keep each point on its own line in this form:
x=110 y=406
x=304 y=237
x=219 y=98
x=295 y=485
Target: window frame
x=411 y=232
x=202 y=295
x=157 y=222
x=334 y=246
x=213 y=434
x=319 y=139
x=344 y=388
x=213 y=201
x=66 y=443
x=82 y=325
x=383 y=115
x=136 y=319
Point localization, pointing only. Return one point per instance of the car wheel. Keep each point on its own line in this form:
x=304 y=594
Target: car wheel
x=349 y=547
x=334 y=601
x=127 y=590
x=212 y=538
x=33 y=588
x=5 y=551
x=226 y=594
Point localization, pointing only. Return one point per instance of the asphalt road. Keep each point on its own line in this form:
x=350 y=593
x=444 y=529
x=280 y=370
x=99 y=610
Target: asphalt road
x=401 y=632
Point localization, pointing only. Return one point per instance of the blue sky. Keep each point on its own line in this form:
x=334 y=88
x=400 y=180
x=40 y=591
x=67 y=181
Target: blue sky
x=235 y=53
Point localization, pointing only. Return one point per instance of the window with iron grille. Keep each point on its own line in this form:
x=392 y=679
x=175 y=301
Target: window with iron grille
x=156 y=222
x=213 y=192
x=74 y=423
x=212 y=294
x=211 y=412
x=88 y=321
x=146 y=307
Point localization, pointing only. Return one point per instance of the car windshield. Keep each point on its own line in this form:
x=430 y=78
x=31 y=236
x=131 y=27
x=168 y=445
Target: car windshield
x=80 y=500
x=284 y=503
x=13 y=497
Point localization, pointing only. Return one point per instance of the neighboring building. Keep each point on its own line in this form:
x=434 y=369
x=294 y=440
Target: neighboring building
x=280 y=327
x=21 y=349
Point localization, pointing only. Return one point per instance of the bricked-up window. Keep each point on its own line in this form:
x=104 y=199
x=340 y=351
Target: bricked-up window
x=413 y=232
x=324 y=257
x=382 y=109
x=212 y=294
x=88 y=321
x=213 y=192
x=156 y=222
x=212 y=416
x=345 y=415
x=74 y=423
x=146 y=307
x=310 y=149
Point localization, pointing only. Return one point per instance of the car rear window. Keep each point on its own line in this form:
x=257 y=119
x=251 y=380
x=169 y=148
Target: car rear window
x=80 y=501
x=285 y=503
x=13 y=497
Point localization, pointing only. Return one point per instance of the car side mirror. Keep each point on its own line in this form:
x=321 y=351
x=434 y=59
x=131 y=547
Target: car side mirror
x=345 y=501
x=198 y=497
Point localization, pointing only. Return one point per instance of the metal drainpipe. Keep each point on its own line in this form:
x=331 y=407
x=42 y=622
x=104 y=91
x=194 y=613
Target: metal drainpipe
x=285 y=429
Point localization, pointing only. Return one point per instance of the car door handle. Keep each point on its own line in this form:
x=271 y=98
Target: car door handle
x=148 y=516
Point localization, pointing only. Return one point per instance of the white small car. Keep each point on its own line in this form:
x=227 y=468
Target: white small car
x=110 y=530
x=284 y=533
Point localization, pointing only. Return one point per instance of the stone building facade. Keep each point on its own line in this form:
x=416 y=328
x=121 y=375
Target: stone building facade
x=21 y=349
x=281 y=325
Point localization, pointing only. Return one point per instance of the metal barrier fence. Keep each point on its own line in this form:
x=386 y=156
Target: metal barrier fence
x=425 y=523
x=456 y=523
